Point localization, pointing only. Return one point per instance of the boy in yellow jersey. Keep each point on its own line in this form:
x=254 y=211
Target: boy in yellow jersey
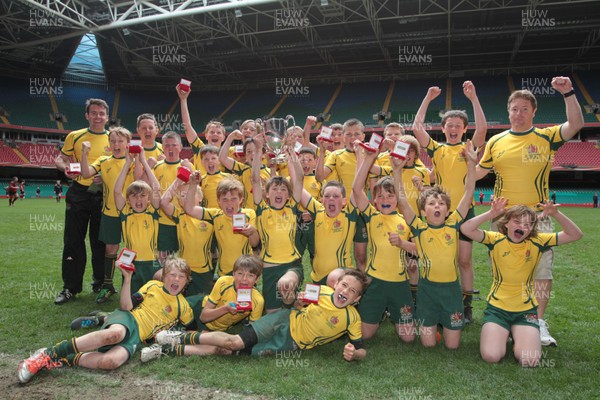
x=214 y=132
x=195 y=236
x=343 y=163
x=138 y=211
x=244 y=170
x=416 y=178
x=276 y=225
x=305 y=235
x=388 y=233
x=515 y=252
x=209 y=156
x=439 y=298
x=165 y=172
x=147 y=129
x=230 y=243
x=521 y=159
x=157 y=306
x=334 y=223
x=84 y=205
x=304 y=327
x=450 y=169
x=110 y=225
x=217 y=312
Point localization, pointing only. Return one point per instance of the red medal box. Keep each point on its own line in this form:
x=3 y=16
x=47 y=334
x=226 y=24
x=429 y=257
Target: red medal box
x=184 y=173
x=135 y=147
x=238 y=150
x=239 y=221
x=400 y=150
x=311 y=293
x=374 y=144
x=326 y=133
x=297 y=148
x=74 y=169
x=126 y=258
x=184 y=85
x=244 y=299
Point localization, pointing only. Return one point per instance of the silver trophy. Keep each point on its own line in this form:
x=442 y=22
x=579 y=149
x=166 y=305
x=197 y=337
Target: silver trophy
x=276 y=136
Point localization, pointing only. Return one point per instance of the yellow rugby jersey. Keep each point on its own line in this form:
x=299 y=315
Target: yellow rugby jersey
x=277 y=230
x=72 y=148
x=209 y=188
x=154 y=151
x=343 y=163
x=244 y=173
x=318 y=324
x=313 y=187
x=195 y=238
x=438 y=248
x=385 y=262
x=140 y=232
x=160 y=310
x=166 y=173
x=513 y=269
x=110 y=168
x=231 y=245
x=225 y=292
x=333 y=239
x=450 y=169
x=411 y=191
x=522 y=163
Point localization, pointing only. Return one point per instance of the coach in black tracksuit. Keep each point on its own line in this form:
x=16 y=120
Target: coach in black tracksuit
x=83 y=204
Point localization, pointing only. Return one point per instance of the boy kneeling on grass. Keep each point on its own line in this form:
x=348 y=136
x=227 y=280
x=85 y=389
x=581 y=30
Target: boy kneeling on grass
x=302 y=327
x=515 y=252
x=157 y=306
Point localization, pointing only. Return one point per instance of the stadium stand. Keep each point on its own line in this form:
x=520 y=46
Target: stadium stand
x=578 y=154
x=407 y=97
x=38 y=153
x=8 y=155
x=72 y=103
x=301 y=106
x=359 y=100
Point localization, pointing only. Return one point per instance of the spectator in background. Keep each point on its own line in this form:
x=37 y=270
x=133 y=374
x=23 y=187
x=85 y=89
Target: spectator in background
x=553 y=197
x=595 y=200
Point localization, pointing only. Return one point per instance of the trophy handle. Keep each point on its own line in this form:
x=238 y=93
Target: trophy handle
x=287 y=120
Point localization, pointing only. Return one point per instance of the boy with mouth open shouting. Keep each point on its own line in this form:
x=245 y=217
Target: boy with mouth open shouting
x=157 y=306
x=304 y=327
x=515 y=252
x=439 y=297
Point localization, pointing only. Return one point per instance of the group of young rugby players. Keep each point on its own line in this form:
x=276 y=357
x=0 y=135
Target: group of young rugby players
x=386 y=237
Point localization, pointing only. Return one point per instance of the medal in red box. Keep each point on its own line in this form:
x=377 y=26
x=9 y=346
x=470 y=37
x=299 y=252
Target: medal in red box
x=244 y=299
x=374 y=144
x=126 y=258
x=326 y=133
x=400 y=150
x=184 y=85
x=311 y=293
x=238 y=151
x=135 y=147
x=238 y=222
x=74 y=169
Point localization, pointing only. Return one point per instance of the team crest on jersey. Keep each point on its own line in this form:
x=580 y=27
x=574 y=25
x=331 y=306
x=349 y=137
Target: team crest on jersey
x=167 y=310
x=333 y=321
x=337 y=225
x=146 y=225
x=448 y=238
x=528 y=255
x=532 y=149
x=400 y=229
x=456 y=320
x=406 y=313
x=531 y=318
x=202 y=226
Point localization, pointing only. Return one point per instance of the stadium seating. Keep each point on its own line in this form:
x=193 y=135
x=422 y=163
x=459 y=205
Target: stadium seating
x=359 y=100
x=580 y=154
x=8 y=156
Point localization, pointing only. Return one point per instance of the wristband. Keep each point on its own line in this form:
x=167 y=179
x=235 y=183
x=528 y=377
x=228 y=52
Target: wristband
x=568 y=94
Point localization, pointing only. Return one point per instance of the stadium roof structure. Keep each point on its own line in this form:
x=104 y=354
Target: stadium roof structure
x=249 y=43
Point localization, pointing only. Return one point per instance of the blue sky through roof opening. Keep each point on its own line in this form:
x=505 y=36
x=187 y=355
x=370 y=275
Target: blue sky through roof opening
x=86 y=64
